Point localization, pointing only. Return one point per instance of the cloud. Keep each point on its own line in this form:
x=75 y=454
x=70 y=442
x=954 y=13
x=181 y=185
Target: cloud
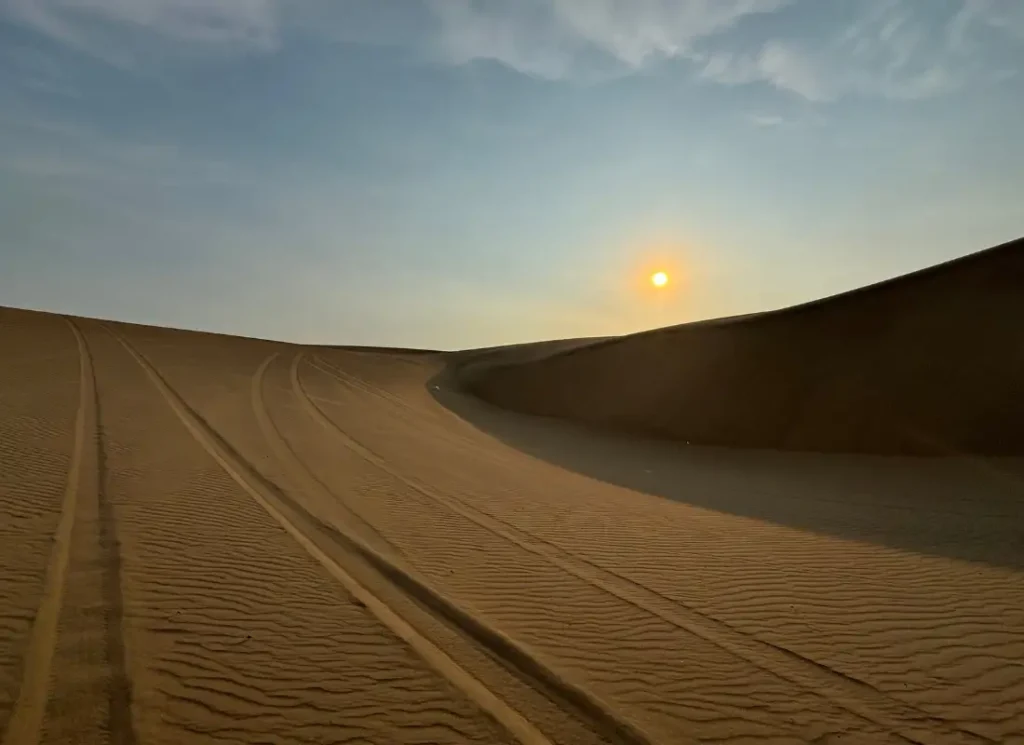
x=564 y=39
x=127 y=32
x=897 y=49
x=802 y=119
x=1005 y=15
x=780 y=64
x=766 y=120
x=893 y=49
x=550 y=39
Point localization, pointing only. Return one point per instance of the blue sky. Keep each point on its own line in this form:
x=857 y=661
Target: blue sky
x=453 y=173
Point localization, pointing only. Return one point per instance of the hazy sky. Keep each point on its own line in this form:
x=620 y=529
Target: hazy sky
x=459 y=173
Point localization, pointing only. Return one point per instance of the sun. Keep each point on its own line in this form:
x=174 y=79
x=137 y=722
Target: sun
x=659 y=279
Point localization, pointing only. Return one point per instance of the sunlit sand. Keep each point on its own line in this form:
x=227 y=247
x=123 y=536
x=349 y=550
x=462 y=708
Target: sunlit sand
x=783 y=528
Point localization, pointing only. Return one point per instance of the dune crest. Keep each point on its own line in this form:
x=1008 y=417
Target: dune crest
x=928 y=363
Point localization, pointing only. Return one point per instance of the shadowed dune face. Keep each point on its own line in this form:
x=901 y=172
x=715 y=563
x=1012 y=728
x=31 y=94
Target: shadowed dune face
x=932 y=362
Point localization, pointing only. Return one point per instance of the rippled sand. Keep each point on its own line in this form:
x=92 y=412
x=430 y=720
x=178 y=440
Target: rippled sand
x=214 y=539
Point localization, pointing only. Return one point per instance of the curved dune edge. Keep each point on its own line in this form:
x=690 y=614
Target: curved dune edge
x=923 y=364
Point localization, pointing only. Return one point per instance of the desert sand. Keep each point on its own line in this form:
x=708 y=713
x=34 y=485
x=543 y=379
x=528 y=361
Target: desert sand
x=207 y=538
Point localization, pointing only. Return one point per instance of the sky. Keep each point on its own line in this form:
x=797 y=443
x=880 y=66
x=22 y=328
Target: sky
x=460 y=173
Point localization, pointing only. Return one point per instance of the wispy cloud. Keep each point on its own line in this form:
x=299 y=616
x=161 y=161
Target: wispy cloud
x=567 y=39
x=783 y=65
x=899 y=49
x=1006 y=15
x=766 y=120
x=127 y=32
x=894 y=49
x=554 y=39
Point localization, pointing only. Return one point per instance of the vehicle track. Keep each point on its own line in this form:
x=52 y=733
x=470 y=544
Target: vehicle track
x=309 y=480
x=508 y=651
x=25 y=723
x=95 y=705
x=120 y=724
x=249 y=480
x=855 y=696
x=678 y=685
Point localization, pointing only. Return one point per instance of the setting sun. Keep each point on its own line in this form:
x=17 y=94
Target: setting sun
x=659 y=279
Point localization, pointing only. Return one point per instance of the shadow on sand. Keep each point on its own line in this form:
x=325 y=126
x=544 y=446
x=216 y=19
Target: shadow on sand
x=969 y=509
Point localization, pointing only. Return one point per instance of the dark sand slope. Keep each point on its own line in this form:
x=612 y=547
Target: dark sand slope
x=931 y=362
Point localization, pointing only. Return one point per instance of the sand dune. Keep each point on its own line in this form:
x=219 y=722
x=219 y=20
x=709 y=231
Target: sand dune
x=927 y=363
x=208 y=539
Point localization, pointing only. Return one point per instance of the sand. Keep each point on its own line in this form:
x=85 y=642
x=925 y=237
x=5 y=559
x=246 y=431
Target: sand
x=214 y=539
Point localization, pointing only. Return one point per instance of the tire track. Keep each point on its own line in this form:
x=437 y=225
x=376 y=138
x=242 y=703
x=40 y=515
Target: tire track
x=234 y=633
x=26 y=719
x=584 y=700
x=90 y=694
x=248 y=479
x=120 y=723
x=286 y=455
x=354 y=381
x=855 y=696
x=507 y=651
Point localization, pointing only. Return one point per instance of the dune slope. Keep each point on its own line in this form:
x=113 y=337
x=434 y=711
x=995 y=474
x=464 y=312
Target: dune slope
x=217 y=539
x=932 y=362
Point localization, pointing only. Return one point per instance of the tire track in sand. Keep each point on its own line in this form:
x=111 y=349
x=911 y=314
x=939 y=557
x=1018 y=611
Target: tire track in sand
x=853 y=695
x=90 y=697
x=26 y=719
x=495 y=642
x=119 y=687
x=287 y=456
x=877 y=625
x=246 y=478
x=579 y=697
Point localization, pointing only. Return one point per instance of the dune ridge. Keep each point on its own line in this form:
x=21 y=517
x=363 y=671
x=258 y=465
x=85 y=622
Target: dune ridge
x=927 y=363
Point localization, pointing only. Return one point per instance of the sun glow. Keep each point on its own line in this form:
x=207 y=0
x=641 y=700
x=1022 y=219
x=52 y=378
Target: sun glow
x=659 y=279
